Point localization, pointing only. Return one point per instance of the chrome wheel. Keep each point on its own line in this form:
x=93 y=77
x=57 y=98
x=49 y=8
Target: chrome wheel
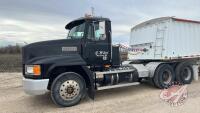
x=69 y=90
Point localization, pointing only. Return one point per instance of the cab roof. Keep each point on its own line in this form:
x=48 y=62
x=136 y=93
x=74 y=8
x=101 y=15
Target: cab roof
x=83 y=19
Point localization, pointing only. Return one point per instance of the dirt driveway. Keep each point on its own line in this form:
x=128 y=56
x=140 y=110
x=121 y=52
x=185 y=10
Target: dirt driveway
x=135 y=99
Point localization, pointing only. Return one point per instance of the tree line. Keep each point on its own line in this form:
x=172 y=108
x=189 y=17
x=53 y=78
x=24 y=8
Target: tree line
x=11 y=49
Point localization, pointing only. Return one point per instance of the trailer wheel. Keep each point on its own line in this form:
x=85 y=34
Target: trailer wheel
x=164 y=76
x=184 y=73
x=68 y=89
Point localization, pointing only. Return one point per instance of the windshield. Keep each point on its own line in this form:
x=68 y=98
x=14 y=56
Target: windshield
x=77 y=32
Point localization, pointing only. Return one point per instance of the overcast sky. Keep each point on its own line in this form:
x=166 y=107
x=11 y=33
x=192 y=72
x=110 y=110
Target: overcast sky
x=36 y=20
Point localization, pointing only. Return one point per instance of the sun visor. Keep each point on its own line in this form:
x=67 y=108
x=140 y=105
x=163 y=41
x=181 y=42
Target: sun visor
x=74 y=23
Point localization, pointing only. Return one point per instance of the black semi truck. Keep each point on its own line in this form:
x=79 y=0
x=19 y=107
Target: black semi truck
x=87 y=61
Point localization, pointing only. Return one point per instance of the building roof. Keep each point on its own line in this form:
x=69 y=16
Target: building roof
x=157 y=20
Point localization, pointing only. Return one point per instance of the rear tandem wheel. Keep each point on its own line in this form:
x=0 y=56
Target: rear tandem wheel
x=164 y=76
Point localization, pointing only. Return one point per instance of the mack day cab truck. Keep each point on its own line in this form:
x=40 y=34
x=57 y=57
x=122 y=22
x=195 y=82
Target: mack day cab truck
x=87 y=61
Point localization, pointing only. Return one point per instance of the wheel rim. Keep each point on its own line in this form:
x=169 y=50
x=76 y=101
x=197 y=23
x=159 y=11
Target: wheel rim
x=186 y=73
x=69 y=90
x=167 y=77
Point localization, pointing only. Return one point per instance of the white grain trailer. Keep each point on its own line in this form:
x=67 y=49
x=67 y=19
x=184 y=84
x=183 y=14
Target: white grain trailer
x=166 y=38
x=166 y=48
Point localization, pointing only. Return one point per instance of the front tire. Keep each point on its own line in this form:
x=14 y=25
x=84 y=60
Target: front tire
x=164 y=76
x=68 y=89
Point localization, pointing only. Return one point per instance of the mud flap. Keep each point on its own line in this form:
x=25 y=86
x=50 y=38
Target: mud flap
x=91 y=88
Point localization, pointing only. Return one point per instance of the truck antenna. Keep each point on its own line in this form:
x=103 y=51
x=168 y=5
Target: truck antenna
x=91 y=14
x=92 y=11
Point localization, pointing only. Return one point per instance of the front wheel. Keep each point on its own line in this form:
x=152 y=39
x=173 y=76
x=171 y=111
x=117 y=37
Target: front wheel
x=68 y=89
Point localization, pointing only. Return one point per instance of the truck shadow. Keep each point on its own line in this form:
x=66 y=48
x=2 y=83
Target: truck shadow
x=42 y=100
x=121 y=92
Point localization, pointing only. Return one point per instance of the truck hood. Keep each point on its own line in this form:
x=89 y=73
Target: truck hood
x=50 y=48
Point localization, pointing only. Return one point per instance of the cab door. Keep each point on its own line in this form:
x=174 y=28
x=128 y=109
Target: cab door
x=97 y=46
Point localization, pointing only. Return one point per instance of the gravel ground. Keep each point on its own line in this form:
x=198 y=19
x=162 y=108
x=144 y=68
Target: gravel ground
x=135 y=99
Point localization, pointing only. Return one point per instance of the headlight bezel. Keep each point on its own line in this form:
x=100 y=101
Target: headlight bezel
x=34 y=70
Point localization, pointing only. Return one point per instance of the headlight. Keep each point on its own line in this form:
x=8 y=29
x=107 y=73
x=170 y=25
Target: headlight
x=33 y=70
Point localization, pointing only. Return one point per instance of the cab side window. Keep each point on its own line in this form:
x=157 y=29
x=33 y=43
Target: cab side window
x=94 y=32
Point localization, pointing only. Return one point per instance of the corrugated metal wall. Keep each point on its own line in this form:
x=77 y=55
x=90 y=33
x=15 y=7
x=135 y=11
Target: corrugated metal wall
x=183 y=39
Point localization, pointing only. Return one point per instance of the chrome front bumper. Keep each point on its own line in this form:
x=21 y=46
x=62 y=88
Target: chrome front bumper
x=35 y=87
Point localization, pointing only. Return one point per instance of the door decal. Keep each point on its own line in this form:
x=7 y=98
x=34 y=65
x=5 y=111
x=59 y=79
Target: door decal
x=103 y=54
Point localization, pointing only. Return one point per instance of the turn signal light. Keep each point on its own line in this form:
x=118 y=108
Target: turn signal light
x=37 y=70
